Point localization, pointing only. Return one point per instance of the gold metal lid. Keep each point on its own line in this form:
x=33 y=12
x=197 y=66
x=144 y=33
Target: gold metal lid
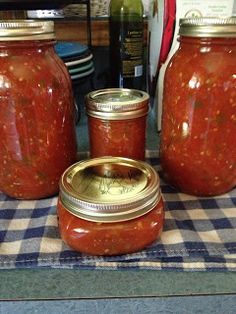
x=117 y=103
x=109 y=189
x=208 y=27
x=12 y=30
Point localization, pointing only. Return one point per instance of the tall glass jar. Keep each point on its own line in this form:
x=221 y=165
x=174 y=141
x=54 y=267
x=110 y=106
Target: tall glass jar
x=37 y=125
x=198 y=138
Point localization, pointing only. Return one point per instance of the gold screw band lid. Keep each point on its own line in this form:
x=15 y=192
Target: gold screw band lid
x=117 y=103
x=12 y=30
x=109 y=189
x=208 y=27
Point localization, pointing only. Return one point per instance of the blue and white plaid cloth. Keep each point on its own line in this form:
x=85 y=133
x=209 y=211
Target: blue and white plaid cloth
x=199 y=235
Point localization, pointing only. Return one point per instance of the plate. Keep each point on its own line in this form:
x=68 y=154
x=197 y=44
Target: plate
x=66 y=49
x=76 y=57
x=82 y=68
x=79 y=61
x=81 y=75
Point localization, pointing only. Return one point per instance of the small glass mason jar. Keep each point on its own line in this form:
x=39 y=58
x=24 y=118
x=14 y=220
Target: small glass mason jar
x=110 y=206
x=37 y=114
x=117 y=122
x=198 y=138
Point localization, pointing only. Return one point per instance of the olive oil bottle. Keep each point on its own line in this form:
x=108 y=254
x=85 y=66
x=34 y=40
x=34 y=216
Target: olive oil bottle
x=126 y=43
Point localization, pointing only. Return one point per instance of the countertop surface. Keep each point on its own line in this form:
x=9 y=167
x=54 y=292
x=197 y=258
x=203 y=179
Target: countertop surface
x=81 y=291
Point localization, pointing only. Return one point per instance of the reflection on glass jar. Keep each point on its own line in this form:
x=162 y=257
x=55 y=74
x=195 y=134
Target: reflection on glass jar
x=198 y=142
x=110 y=206
x=37 y=125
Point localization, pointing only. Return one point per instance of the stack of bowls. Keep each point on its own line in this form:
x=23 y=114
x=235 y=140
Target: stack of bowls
x=77 y=58
x=79 y=62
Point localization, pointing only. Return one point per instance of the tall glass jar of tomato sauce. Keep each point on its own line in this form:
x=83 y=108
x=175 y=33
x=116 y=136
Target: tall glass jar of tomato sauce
x=198 y=137
x=110 y=206
x=37 y=127
x=117 y=122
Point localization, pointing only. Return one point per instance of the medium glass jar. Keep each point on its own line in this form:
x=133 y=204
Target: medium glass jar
x=37 y=115
x=198 y=138
x=110 y=206
x=117 y=122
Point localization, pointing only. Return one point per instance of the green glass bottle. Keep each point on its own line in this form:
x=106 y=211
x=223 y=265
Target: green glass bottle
x=126 y=43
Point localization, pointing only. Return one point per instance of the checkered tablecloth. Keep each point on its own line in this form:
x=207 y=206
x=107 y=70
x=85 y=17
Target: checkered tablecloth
x=199 y=235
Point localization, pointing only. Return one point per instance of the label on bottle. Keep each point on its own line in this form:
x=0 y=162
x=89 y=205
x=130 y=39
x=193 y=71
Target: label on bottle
x=126 y=51
x=132 y=51
x=138 y=70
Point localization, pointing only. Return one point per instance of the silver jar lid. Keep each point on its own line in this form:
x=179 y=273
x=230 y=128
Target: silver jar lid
x=208 y=27
x=12 y=30
x=109 y=189
x=117 y=103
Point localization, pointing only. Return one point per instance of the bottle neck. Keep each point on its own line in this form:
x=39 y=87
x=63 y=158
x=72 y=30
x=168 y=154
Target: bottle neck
x=125 y=8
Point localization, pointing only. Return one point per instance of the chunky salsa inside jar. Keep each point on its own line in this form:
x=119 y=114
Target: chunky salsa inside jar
x=198 y=142
x=37 y=127
x=125 y=138
x=116 y=238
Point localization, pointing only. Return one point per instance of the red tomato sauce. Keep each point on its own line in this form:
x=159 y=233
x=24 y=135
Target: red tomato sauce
x=198 y=139
x=123 y=138
x=116 y=238
x=37 y=127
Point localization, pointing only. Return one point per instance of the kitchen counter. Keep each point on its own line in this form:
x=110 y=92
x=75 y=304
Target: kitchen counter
x=108 y=291
x=116 y=291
